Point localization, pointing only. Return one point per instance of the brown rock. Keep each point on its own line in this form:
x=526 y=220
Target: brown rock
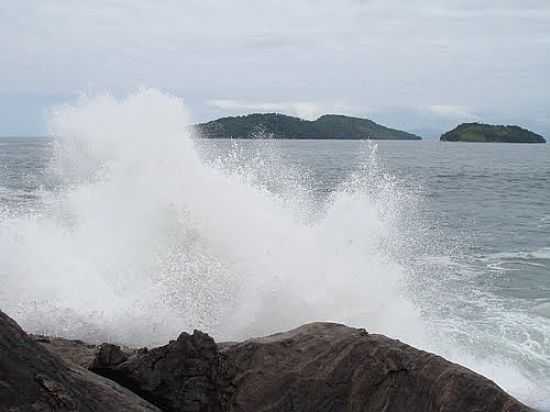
x=108 y=355
x=186 y=375
x=34 y=379
x=330 y=367
x=317 y=367
x=71 y=350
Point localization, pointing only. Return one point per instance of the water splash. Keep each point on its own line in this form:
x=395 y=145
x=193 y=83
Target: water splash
x=144 y=236
x=141 y=238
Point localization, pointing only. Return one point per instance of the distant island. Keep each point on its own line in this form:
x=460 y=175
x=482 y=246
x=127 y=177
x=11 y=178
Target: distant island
x=485 y=133
x=280 y=126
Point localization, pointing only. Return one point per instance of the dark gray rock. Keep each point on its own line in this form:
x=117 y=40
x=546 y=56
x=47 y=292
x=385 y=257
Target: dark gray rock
x=188 y=374
x=108 y=356
x=34 y=379
x=329 y=367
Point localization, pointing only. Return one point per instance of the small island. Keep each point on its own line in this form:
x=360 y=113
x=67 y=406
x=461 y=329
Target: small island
x=486 y=133
x=280 y=126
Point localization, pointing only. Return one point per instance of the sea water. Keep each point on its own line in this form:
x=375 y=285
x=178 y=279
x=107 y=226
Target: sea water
x=125 y=227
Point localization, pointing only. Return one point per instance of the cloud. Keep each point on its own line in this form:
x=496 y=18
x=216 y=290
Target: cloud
x=301 y=57
x=537 y=10
x=453 y=112
x=304 y=110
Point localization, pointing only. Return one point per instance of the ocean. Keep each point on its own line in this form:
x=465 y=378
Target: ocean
x=127 y=229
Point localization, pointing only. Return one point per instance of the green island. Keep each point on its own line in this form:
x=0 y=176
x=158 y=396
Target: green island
x=280 y=126
x=486 y=133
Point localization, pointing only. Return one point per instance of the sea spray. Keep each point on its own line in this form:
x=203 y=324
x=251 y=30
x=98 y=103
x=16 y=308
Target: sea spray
x=143 y=240
x=137 y=238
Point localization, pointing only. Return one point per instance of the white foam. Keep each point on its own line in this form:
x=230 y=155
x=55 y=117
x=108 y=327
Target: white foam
x=542 y=309
x=146 y=236
x=543 y=253
x=146 y=240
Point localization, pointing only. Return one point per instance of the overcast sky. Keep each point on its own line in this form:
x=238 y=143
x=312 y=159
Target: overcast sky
x=423 y=66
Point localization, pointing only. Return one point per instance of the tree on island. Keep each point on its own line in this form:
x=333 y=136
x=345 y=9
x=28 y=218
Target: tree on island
x=280 y=126
x=485 y=133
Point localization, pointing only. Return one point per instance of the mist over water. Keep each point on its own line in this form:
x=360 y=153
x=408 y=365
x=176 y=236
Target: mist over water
x=141 y=233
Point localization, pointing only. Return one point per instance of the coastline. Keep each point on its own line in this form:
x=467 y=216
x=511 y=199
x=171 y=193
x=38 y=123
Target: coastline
x=315 y=367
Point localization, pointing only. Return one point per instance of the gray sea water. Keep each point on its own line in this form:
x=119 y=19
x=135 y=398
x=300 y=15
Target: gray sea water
x=475 y=219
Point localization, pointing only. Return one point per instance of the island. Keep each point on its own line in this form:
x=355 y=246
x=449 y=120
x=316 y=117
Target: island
x=280 y=126
x=486 y=133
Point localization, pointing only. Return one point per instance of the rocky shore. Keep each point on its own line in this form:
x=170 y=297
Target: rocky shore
x=316 y=367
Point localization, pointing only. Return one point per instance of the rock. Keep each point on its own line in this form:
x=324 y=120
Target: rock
x=330 y=367
x=83 y=354
x=34 y=379
x=188 y=374
x=317 y=367
x=108 y=356
x=73 y=351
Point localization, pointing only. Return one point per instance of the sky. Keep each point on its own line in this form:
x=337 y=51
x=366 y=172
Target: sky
x=422 y=66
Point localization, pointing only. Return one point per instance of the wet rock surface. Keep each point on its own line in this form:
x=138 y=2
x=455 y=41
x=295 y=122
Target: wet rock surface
x=316 y=367
x=34 y=379
x=74 y=351
x=188 y=374
x=330 y=367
